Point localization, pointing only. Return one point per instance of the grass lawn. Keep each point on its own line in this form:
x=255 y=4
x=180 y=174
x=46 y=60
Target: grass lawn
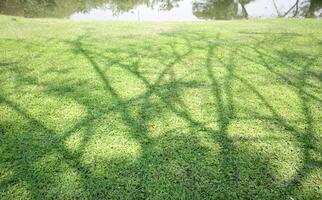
x=118 y=110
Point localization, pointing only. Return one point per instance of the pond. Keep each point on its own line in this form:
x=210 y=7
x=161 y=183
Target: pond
x=161 y=10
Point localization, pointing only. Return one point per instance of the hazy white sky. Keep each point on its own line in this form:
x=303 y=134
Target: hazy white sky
x=181 y=13
x=265 y=8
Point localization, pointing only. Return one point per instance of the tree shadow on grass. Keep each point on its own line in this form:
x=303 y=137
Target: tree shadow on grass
x=307 y=137
x=179 y=155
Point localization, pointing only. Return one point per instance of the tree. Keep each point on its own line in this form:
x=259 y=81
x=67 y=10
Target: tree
x=315 y=5
x=47 y=8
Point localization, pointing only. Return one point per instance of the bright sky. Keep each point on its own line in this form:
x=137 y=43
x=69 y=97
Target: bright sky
x=265 y=8
x=181 y=13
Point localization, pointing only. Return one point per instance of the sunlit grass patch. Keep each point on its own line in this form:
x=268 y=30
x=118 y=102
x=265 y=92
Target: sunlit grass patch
x=209 y=110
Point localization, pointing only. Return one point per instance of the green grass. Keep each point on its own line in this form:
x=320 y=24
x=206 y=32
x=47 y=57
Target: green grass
x=206 y=110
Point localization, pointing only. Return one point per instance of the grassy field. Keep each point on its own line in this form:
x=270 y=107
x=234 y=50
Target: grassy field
x=206 y=110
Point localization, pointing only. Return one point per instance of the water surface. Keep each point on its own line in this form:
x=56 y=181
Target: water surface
x=161 y=10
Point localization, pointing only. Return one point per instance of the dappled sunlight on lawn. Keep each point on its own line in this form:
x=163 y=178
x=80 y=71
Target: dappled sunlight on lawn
x=192 y=112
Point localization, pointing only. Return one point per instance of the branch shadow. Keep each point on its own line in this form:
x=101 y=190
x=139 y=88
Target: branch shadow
x=173 y=162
